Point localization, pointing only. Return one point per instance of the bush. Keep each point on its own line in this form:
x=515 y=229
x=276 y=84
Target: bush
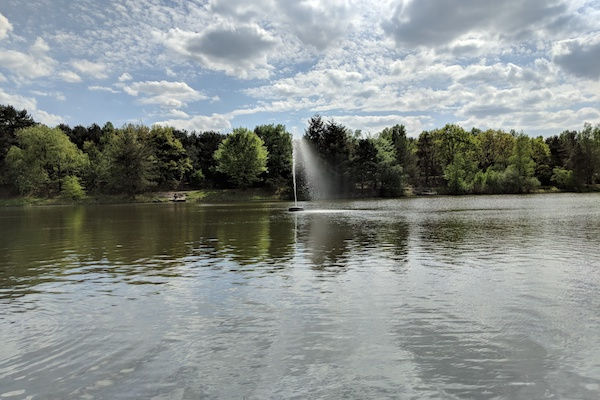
x=564 y=179
x=392 y=181
x=197 y=178
x=72 y=189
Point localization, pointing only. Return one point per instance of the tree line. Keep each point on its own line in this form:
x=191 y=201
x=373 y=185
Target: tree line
x=36 y=160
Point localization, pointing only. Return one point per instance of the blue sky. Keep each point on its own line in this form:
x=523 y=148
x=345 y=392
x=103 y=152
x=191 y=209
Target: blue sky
x=527 y=65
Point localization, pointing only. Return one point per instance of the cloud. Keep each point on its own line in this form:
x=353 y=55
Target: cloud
x=238 y=50
x=30 y=104
x=94 y=69
x=102 y=89
x=5 y=26
x=376 y=123
x=316 y=24
x=580 y=57
x=57 y=95
x=439 y=22
x=34 y=64
x=46 y=118
x=125 y=77
x=69 y=76
x=164 y=93
x=214 y=122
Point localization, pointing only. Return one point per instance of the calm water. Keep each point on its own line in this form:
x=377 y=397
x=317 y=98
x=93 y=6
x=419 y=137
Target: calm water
x=471 y=297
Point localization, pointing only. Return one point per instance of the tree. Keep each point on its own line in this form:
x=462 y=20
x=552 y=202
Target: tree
x=405 y=149
x=242 y=157
x=389 y=172
x=201 y=147
x=11 y=120
x=494 y=148
x=427 y=158
x=540 y=153
x=450 y=141
x=42 y=159
x=365 y=164
x=279 y=146
x=171 y=160
x=519 y=173
x=459 y=174
x=584 y=159
x=130 y=160
x=333 y=143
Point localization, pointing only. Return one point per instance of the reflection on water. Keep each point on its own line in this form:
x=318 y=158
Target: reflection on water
x=471 y=297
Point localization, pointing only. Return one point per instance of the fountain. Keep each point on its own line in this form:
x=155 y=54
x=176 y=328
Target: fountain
x=296 y=207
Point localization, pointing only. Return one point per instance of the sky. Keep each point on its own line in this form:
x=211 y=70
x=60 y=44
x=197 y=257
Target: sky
x=532 y=66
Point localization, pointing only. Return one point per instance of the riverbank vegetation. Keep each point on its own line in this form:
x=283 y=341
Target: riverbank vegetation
x=72 y=163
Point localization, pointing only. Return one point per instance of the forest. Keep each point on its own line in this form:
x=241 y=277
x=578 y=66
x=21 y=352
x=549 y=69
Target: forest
x=74 y=162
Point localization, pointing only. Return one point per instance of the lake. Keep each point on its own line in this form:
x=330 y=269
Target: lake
x=441 y=297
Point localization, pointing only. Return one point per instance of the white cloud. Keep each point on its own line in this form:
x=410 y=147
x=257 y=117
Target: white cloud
x=102 y=89
x=69 y=76
x=214 y=122
x=376 y=123
x=94 y=69
x=5 y=26
x=238 y=50
x=30 y=104
x=125 y=77
x=39 y=47
x=164 y=93
x=46 y=118
x=34 y=64
x=57 y=95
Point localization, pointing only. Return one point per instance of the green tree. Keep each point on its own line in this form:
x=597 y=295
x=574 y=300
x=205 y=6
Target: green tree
x=72 y=189
x=279 y=146
x=171 y=160
x=494 y=148
x=459 y=174
x=405 y=149
x=242 y=157
x=365 y=164
x=130 y=159
x=41 y=160
x=428 y=160
x=450 y=141
x=11 y=120
x=201 y=147
x=519 y=174
x=564 y=179
x=584 y=159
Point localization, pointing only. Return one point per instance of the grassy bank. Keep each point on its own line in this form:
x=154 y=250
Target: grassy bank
x=192 y=196
x=209 y=196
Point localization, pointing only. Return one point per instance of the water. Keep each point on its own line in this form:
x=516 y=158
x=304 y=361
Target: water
x=468 y=297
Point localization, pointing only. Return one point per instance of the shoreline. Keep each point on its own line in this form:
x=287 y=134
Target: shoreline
x=209 y=196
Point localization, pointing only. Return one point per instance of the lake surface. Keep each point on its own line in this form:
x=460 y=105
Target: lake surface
x=465 y=297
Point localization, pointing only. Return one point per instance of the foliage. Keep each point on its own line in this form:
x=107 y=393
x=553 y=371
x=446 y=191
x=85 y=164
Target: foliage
x=42 y=158
x=37 y=160
x=131 y=162
x=170 y=158
x=459 y=174
x=72 y=189
x=519 y=173
x=11 y=120
x=242 y=157
x=278 y=143
x=564 y=178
